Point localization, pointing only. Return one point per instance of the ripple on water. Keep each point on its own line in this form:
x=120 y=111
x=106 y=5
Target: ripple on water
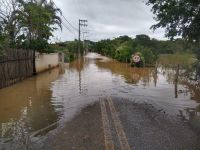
x=85 y=81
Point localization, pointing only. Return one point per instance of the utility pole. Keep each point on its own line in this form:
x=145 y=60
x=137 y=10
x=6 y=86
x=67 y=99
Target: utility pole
x=85 y=42
x=81 y=23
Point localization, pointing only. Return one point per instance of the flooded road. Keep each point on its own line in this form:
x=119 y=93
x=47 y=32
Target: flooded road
x=43 y=105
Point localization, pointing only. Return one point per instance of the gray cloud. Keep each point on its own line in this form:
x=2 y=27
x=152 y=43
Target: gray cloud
x=109 y=18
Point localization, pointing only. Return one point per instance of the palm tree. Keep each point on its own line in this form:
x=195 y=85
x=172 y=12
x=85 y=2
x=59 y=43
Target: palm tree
x=37 y=20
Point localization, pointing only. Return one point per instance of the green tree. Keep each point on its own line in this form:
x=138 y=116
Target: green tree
x=123 y=53
x=8 y=25
x=179 y=17
x=38 y=19
x=28 y=23
x=149 y=57
x=142 y=37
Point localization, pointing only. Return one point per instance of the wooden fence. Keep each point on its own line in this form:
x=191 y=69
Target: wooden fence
x=15 y=66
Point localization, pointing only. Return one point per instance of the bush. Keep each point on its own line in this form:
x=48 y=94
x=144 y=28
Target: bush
x=148 y=55
x=123 y=53
x=123 y=47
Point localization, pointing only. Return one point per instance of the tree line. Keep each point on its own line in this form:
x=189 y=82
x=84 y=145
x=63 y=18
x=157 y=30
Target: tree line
x=180 y=18
x=30 y=24
x=123 y=47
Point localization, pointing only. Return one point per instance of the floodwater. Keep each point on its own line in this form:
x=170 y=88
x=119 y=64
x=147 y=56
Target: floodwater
x=55 y=97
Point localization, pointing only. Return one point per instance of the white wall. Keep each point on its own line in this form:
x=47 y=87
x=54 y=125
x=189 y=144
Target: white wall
x=46 y=61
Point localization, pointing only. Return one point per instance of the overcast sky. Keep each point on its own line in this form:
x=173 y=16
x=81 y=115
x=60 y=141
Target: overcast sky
x=108 y=18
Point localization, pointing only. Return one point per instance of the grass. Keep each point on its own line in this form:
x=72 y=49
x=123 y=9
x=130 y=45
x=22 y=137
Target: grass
x=182 y=59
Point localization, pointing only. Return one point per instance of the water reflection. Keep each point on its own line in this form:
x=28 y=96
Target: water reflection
x=79 y=66
x=26 y=107
x=94 y=76
x=131 y=75
x=42 y=100
x=172 y=90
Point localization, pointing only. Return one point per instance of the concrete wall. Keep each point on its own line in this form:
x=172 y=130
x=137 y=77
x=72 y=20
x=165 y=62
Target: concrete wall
x=47 y=61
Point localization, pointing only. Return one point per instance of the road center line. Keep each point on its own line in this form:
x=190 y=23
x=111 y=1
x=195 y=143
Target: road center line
x=106 y=127
x=118 y=126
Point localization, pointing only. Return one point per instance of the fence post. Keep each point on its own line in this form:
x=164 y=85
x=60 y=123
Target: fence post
x=34 y=64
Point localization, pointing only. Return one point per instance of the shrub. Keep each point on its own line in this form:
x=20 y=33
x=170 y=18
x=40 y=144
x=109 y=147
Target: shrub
x=123 y=53
x=148 y=55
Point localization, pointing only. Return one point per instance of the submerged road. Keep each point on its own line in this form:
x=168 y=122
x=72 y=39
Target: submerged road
x=96 y=103
x=123 y=125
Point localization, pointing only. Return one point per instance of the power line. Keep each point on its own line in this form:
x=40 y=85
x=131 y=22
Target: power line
x=65 y=17
x=69 y=29
x=81 y=23
x=70 y=23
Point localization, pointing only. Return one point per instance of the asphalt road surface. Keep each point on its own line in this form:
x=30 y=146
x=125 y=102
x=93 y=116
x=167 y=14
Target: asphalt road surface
x=116 y=124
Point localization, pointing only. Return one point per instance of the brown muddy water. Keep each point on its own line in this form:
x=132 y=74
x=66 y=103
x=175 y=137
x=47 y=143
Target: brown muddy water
x=43 y=103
